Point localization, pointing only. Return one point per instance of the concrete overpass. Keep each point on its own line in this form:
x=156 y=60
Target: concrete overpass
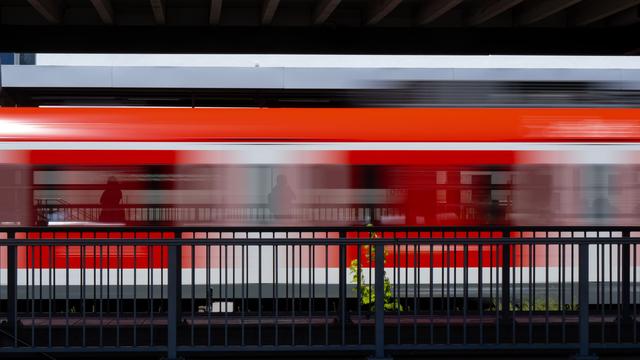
x=320 y=81
x=322 y=26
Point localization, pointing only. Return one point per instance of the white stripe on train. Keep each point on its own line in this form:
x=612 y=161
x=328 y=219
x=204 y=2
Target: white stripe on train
x=318 y=146
x=303 y=276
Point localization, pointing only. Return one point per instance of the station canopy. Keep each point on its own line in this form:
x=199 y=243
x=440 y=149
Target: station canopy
x=322 y=26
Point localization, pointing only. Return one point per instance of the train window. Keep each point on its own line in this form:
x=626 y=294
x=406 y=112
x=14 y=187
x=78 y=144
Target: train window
x=15 y=195
x=320 y=194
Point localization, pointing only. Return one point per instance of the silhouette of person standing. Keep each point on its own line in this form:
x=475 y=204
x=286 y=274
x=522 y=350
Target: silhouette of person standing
x=281 y=198
x=111 y=211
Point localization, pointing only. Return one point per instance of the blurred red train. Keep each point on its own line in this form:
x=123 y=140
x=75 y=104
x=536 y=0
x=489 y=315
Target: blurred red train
x=314 y=167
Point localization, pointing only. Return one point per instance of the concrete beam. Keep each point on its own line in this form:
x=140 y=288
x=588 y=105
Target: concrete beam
x=379 y=9
x=215 y=11
x=591 y=11
x=625 y=18
x=533 y=12
x=269 y=8
x=159 y=11
x=490 y=10
x=433 y=9
x=49 y=9
x=105 y=10
x=323 y=10
x=622 y=71
x=635 y=51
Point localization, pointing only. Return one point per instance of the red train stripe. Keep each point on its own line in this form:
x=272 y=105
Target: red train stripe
x=350 y=125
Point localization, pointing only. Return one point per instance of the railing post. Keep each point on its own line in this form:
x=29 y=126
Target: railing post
x=626 y=277
x=583 y=300
x=342 y=285
x=379 y=305
x=173 y=301
x=506 y=280
x=12 y=289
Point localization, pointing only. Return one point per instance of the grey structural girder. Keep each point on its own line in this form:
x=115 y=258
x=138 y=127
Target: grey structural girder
x=198 y=77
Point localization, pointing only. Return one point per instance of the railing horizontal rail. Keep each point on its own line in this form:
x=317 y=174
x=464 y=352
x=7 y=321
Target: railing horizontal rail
x=312 y=241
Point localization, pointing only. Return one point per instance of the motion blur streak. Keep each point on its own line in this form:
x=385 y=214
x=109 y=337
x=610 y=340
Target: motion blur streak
x=443 y=166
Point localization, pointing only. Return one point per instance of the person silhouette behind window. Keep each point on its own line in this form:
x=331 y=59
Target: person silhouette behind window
x=281 y=198
x=111 y=210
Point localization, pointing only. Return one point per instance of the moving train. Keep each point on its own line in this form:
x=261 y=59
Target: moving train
x=181 y=167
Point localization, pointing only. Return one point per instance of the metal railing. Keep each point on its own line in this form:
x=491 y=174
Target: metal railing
x=137 y=214
x=380 y=291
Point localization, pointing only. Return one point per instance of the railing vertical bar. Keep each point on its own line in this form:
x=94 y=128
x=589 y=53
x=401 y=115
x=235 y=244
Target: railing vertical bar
x=406 y=274
x=342 y=285
x=101 y=327
x=396 y=286
x=326 y=295
x=293 y=294
x=480 y=293
x=66 y=300
x=244 y=273
x=379 y=304
x=532 y=268
x=431 y=332
x=310 y=292
x=359 y=291
x=619 y=290
x=560 y=248
x=109 y=279
x=40 y=267
x=465 y=291
x=118 y=291
x=233 y=274
x=276 y=294
x=493 y=262
x=286 y=284
x=152 y=266
x=83 y=282
x=520 y=269
x=208 y=291
x=572 y=248
x=626 y=276
x=51 y=295
x=602 y=284
x=371 y=260
x=135 y=296
x=635 y=290
x=12 y=289
x=193 y=292
x=611 y=275
x=584 y=298
x=416 y=290
x=506 y=280
x=259 y=295
x=222 y=268
x=448 y=288
x=172 y=302
x=31 y=299
x=546 y=292
x=162 y=249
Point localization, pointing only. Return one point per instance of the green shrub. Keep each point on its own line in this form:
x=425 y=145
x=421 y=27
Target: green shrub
x=367 y=291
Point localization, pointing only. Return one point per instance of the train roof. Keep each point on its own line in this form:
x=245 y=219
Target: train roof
x=320 y=125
